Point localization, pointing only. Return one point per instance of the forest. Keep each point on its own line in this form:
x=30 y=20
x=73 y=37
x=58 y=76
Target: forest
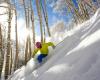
x=36 y=16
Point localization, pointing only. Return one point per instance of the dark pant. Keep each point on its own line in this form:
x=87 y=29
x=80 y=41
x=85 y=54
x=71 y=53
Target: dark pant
x=40 y=57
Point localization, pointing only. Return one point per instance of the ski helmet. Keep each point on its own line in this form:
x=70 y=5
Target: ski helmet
x=38 y=44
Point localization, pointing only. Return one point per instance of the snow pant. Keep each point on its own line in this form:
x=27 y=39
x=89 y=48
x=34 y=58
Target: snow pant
x=40 y=57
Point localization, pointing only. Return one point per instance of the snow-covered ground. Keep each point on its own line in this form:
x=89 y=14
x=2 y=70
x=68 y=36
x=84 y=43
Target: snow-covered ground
x=77 y=57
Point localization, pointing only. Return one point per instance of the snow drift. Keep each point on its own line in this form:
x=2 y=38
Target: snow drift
x=77 y=57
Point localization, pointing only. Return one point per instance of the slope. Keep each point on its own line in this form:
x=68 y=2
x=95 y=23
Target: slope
x=75 y=58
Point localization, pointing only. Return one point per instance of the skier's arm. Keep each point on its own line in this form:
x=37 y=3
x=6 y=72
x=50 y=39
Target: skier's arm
x=34 y=52
x=51 y=44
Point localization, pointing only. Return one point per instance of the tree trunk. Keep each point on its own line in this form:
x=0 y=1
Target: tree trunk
x=70 y=8
x=30 y=50
x=84 y=12
x=17 y=52
x=10 y=62
x=8 y=44
x=26 y=21
x=89 y=3
x=32 y=20
x=46 y=17
x=26 y=51
x=40 y=18
x=78 y=15
x=1 y=51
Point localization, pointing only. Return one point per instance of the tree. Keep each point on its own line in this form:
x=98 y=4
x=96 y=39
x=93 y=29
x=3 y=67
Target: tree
x=1 y=50
x=45 y=16
x=7 y=68
x=40 y=18
x=32 y=20
x=17 y=52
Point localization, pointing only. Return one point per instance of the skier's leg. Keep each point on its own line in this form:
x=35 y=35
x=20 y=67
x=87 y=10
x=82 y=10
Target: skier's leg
x=40 y=57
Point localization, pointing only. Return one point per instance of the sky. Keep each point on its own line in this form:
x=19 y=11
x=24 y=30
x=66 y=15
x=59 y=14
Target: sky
x=52 y=15
x=56 y=9
x=53 y=18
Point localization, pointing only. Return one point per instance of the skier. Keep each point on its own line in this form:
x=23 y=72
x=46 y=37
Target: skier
x=42 y=50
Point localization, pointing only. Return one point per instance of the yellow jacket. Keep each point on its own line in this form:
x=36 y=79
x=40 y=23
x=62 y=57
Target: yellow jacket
x=44 y=49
